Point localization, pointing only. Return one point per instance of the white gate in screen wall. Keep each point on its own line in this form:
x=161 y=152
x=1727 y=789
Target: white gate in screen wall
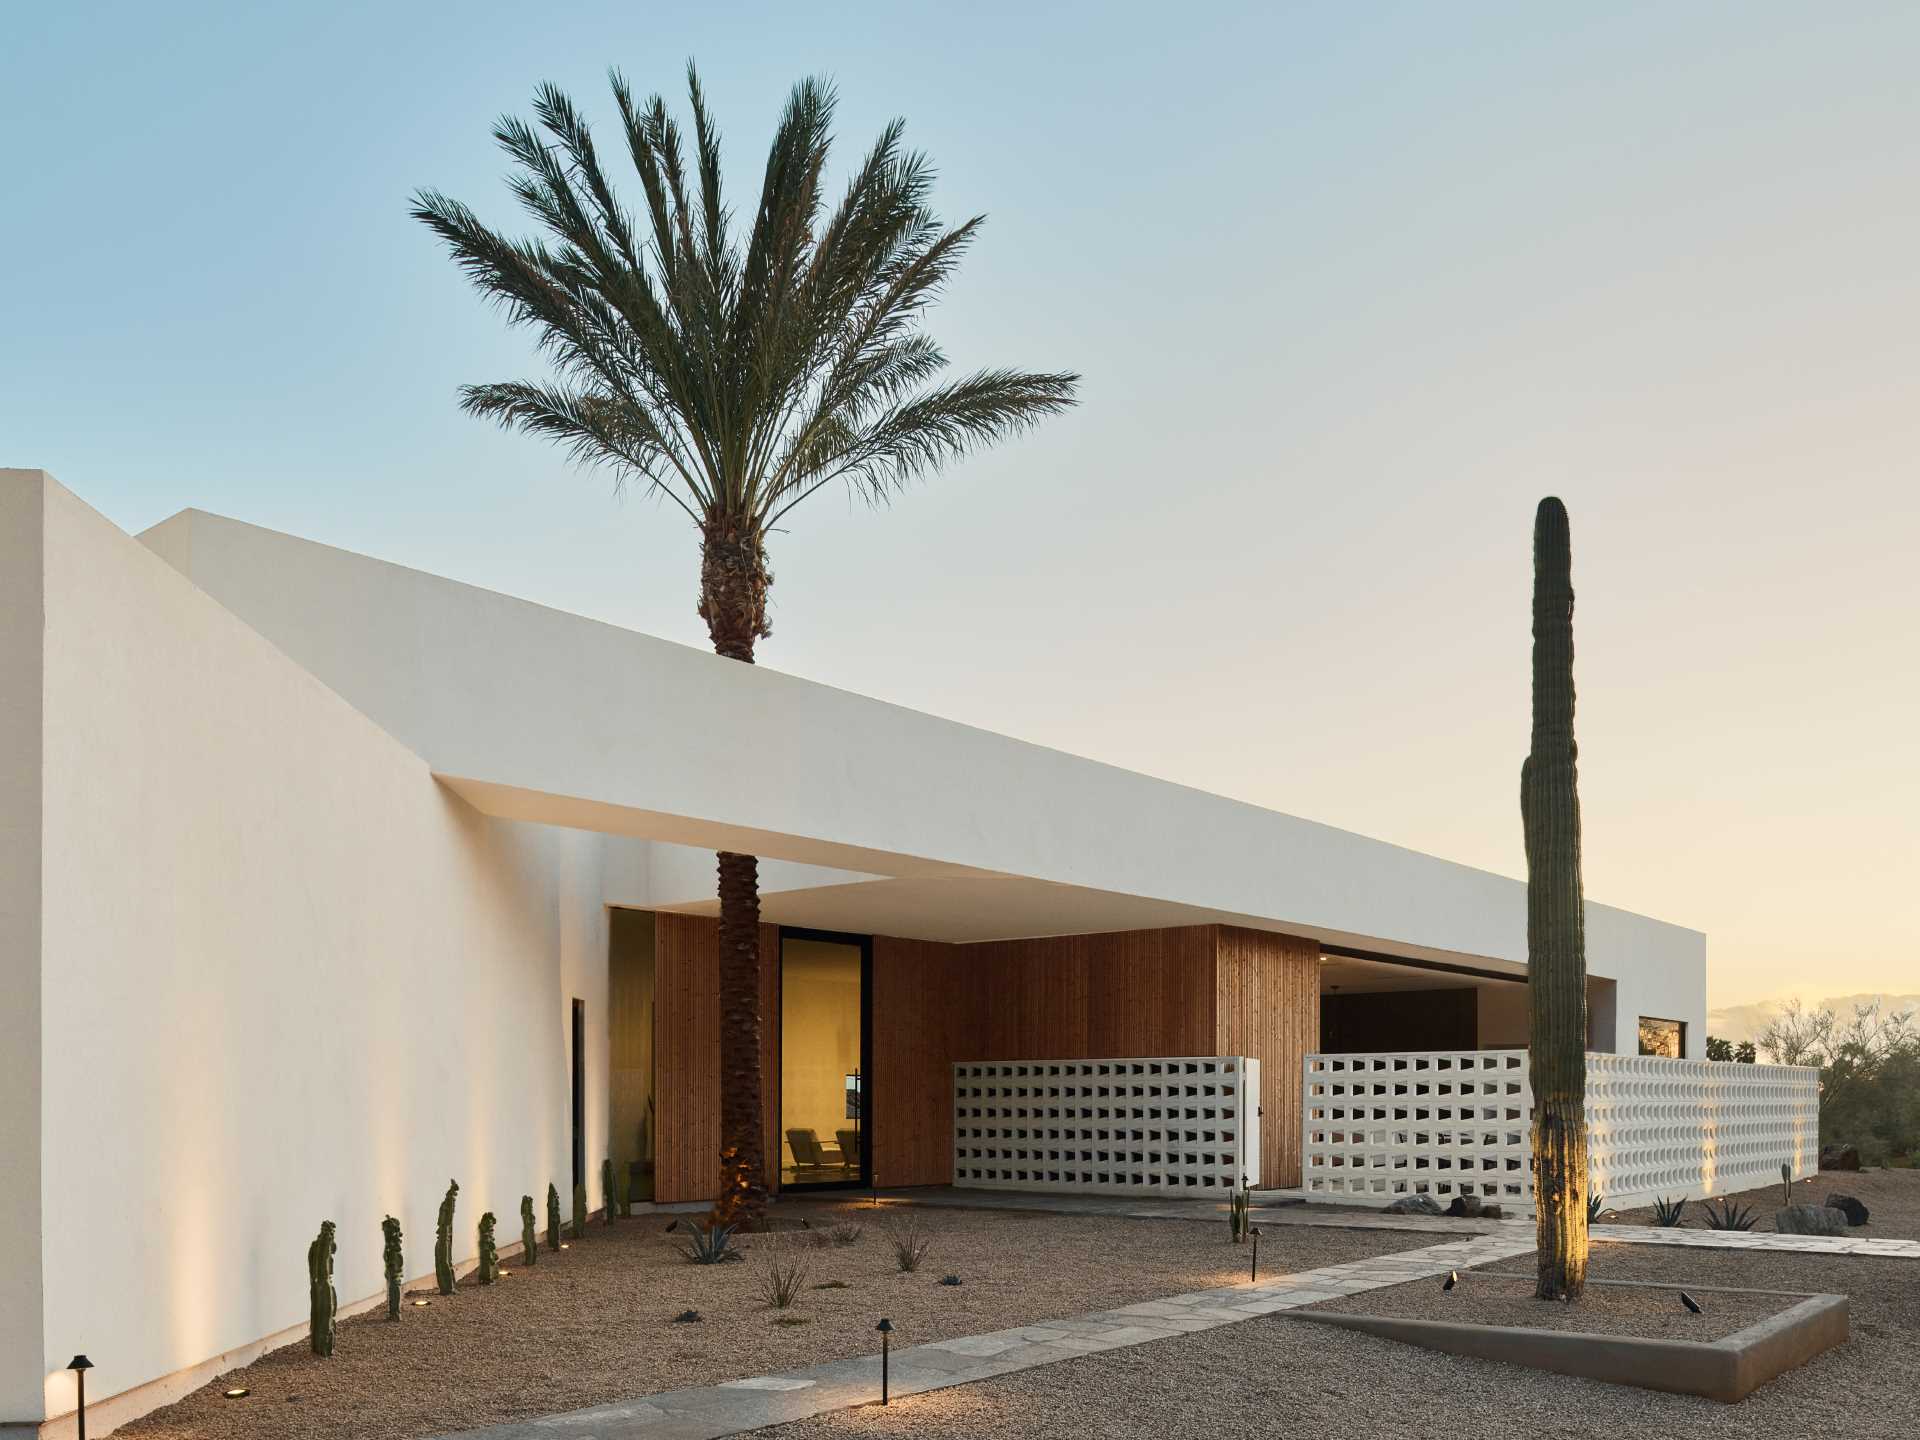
x=1457 y=1122
x=1186 y=1127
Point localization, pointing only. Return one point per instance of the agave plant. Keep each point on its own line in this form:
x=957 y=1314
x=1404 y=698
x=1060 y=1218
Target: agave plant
x=1596 y=1207
x=1729 y=1216
x=710 y=1244
x=1667 y=1213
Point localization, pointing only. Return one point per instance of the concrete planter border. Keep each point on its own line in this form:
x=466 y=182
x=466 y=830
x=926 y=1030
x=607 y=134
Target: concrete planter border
x=1727 y=1370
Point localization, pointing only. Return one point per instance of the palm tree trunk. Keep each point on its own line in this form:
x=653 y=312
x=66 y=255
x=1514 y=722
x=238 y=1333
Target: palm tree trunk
x=733 y=601
x=1556 y=924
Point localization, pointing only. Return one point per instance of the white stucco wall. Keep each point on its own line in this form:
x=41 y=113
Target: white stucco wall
x=21 y=614
x=288 y=977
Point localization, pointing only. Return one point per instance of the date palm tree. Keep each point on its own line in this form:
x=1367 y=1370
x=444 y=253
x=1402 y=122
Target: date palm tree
x=734 y=374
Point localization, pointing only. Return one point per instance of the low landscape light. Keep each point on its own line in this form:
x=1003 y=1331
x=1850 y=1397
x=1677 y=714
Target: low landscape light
x=1254 y=1231
x=885 y=1327
x=421 y=1304
x=80 y=1364
x=238 y=1392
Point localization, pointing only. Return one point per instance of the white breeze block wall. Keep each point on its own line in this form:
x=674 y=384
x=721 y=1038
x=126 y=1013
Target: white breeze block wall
x=1183 y=1126
x=1448 y=1123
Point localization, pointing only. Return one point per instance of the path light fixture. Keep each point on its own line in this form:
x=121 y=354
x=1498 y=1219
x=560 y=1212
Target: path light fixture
x=885 y=1327
x=1692 y=1304
x=1254 y=1231
x=80 y=1364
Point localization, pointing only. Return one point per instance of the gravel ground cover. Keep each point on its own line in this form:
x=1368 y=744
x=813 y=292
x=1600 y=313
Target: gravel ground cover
x=1281 y=1377
x=1500 y=1295
x=1891 y=1196
x=595 y=1323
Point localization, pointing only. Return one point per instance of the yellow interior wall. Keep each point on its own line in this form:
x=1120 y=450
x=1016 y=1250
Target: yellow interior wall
x=820 y=1036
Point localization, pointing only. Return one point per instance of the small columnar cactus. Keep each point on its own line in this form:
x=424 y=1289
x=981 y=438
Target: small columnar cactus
x=529 y=1235
x=489 y=1256
x=1237 y=1206
x=395 y=1263
x=622 y=1192
x=579 y=1212
x=553 y=1217
x=443 y=1241
x=322 y=1302
x=606 y=1191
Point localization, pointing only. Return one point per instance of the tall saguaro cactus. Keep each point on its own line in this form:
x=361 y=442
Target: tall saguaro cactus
x=1556 y=923
x=395 y=1263
x=322 y=1302
x=529 y=1233
x=443 y=1240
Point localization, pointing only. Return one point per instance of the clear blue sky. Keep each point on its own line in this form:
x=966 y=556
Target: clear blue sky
x=1351 y=287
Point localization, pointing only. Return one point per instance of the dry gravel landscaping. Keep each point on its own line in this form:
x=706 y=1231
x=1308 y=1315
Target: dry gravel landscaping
x=1892 y=1198
x=595 y=1323
x=1280 y=1377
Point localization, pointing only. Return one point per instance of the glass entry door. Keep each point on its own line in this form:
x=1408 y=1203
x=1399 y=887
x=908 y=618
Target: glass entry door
x=823 y=1059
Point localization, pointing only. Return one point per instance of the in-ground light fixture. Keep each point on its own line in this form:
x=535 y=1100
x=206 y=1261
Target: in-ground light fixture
x=80 y=1364
x=885 y=1327
x=238 y=1392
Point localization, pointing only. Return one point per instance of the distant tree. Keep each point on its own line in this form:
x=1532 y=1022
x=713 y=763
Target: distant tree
x=1718 y=1049
x=1869 y=1065
x=1745 y=1053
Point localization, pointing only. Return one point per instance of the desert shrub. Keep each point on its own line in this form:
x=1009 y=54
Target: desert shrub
x=846 y=1232
x=1869 y=1074
x=910 y=1243
x=784 y=1267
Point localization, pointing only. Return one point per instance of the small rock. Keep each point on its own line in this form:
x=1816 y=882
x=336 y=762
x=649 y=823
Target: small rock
x=1809 y=1220
x=949 y=1279
x=1415 y=1205
x=1855 y=1212
x=1492 y=1212
x=1840 y=1157
x=688 y=1317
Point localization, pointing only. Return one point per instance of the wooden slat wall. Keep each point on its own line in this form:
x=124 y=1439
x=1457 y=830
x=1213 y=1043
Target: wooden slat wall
x=1137 y=992
x=687 y=1051
x=929 y=1010
x=1269 y=1008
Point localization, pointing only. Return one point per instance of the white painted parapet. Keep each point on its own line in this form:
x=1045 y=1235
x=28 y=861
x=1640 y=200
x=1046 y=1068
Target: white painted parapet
x=1458 y=1122
x=1185 y=1127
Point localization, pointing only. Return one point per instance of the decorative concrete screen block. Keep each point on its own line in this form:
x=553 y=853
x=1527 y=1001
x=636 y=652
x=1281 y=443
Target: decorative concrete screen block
x=1185 y=1126
x=1435 y=1122
x=1446 y=1123
x=1697 y=1127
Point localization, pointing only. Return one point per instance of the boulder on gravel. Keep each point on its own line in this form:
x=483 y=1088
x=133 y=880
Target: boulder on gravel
x=1415 y=1205
x=1809 y=1220
x=1855 y=1212
x=1840 y=1157
x=1465 y=1206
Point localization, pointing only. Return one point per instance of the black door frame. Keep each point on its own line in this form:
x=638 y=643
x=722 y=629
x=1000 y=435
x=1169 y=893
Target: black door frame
x=832 y=937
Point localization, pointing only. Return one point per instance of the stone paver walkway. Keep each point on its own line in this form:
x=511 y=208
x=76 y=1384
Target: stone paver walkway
x=741 y=1405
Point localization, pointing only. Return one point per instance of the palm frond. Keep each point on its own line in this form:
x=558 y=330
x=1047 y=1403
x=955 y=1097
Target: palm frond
x=735 y=373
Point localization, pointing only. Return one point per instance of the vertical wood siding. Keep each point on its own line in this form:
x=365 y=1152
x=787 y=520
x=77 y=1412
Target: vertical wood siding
x=1073 y=997
x=1269 y=1007
x=687 y=1051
